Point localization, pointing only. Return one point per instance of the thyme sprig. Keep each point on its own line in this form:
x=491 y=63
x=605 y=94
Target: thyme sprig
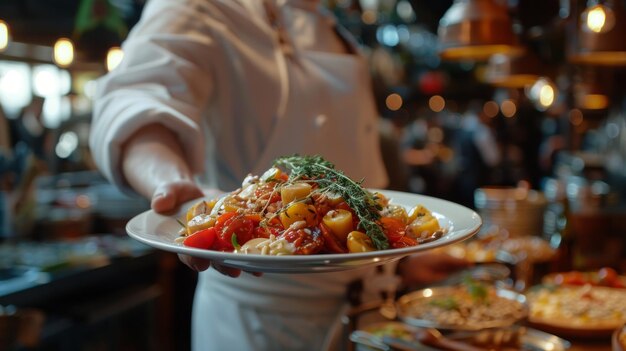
x=364 y=204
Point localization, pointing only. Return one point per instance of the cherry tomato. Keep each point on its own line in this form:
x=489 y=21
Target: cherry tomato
x=394 y=228
x=308 y=241
x=572 y=278
x=359 y=242
x=608 y=276
x=331 y=242
x=405 y=241
x=241 y=227
x=202 y=239
x=254 y=217
x=266 y=192
x=344 y=206
x=223 y=218
x=266 y=231
x=339 y=222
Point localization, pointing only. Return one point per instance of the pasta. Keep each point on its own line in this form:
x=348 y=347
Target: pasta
x=303 y=206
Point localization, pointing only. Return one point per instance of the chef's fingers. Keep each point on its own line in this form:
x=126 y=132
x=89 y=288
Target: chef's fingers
x=229 y=271
x=196 y=264
x=169 y=196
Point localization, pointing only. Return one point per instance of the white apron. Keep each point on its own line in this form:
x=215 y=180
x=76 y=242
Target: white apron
x=332 y=115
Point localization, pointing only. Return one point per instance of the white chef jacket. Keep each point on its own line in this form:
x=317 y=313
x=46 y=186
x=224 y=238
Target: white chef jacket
x=241 y=88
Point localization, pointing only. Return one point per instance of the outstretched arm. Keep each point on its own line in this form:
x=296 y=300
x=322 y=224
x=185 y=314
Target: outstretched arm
x=153 y=164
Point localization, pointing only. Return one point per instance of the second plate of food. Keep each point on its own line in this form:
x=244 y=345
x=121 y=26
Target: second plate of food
x=473 y=306
x=577 y=311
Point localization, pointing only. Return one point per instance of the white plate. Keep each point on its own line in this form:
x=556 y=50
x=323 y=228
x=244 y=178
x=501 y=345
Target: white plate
x=159 y=231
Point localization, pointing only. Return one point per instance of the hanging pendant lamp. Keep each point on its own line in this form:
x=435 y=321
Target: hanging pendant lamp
x=475 y=30
x=593 y=88
x=602 y=35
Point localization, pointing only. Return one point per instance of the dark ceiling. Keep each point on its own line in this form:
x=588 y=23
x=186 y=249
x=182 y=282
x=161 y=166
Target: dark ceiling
x=44 y=21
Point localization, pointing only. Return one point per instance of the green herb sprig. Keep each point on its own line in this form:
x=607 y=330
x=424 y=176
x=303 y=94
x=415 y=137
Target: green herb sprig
x=447 y=303
x=364 y=204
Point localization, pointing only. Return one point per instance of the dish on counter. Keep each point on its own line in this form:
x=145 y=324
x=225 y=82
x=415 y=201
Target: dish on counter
x=512 y=338
x=459 y=222
x=386 y=335
x=474 y=251
x=467 y=306
x=577 y=311
x=604 y=276
x=492 y=247
x=378 y=335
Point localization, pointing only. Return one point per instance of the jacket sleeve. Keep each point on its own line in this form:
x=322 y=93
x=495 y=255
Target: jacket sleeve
x=165 y=77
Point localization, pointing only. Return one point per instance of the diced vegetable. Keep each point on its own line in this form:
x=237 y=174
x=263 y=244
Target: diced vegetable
x=293 y=192
x=299 y=211
x=199 y=208
x=199 y=222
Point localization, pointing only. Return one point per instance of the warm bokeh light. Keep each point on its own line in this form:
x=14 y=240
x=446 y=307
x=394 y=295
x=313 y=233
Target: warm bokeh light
x=576 y=117
x=546 y=95
x=404 y=9
x=369 y=17
x=594 y=102
x=68 y=142
x=491 y=109
x=543 y=93
x=15 y=90
x=393 y=102
x=90 y=89
x=436 y=103
x=598 y=19
x=435 y=135
x=83 y=201
x=63 y=52
x=4 y=35
x=114 y=58
x=508 y=108
x=50 y=81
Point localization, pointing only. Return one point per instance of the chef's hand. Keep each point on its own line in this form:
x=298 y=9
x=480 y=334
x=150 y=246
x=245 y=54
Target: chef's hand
x=168 y=198
x=154 y=166
x=429 y=267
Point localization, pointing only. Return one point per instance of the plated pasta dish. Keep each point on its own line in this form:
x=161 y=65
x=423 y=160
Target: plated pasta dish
x=303 y=205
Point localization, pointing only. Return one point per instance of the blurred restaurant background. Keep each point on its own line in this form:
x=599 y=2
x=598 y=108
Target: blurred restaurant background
x=515 y=108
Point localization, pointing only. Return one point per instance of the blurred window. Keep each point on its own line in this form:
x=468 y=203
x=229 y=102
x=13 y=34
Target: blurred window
x=15 y=87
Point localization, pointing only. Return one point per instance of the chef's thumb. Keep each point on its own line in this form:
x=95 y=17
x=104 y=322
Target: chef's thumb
x=164 y=200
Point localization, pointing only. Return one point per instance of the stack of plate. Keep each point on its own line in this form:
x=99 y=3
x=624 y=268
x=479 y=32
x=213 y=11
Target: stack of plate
x=519 y=211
